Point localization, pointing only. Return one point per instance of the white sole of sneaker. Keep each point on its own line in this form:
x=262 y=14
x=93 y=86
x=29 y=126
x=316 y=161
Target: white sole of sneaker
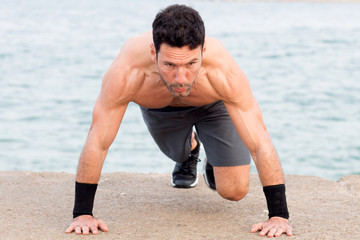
x=204 y=173
x=190 y=186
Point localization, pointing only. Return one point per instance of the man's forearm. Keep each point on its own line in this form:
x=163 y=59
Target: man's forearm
x=90 y=164
x=268 y=165
x=272 y=179
x=88 y=175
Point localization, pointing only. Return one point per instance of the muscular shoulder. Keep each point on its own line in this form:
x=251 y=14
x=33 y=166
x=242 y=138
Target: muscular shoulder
x=223 y=72
x=128 y=70
x=216 y=55
x=135 y=52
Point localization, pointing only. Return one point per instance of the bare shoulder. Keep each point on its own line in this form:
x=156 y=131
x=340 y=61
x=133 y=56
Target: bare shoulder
x=128 y=69
x=217 y=57
x=214 y=44
x=224 y=73
x=136 y=50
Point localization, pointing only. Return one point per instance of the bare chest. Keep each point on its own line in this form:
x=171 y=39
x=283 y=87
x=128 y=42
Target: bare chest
x=154 y=94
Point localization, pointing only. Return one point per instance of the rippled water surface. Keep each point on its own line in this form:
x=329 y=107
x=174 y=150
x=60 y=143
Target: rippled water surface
x=302 y=59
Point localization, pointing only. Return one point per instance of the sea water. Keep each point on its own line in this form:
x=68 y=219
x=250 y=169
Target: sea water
x=302 y=61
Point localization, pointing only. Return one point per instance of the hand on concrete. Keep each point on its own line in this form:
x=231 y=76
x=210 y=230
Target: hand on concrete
x=85 y=224
x=274 y=227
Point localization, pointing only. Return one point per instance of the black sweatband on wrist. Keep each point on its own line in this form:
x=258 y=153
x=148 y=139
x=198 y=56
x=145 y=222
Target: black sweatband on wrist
x=84 y=199
x=276 y=201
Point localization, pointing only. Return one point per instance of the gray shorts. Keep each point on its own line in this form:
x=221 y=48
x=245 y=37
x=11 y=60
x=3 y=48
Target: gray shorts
x=171 y=128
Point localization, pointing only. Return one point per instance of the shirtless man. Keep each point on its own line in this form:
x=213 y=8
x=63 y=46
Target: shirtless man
x=181 y=79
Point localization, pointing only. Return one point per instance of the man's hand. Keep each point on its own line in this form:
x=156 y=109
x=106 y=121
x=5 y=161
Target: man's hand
x=274 y=227
x=86 y=224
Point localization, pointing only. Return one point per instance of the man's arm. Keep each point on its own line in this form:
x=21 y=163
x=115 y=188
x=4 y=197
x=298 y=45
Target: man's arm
x=248 y=121
x=108 y=112
x=234 y=89
x=106 y=122
x=103 y=130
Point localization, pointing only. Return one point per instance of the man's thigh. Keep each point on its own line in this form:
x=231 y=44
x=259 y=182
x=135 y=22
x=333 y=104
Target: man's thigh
x=171 y=131
x=222 y=143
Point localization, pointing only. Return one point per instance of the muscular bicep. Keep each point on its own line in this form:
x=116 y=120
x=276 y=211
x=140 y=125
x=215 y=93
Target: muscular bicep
x=109 y=108
x=116 y=93
x=106 y=121
x=241 y=105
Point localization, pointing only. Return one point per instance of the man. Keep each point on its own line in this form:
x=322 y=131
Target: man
x=181 y=79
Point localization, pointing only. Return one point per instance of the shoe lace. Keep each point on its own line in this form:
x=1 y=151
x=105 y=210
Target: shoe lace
x=187 y=166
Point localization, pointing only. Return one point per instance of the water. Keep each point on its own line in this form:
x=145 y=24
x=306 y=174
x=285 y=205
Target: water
x=302 y=59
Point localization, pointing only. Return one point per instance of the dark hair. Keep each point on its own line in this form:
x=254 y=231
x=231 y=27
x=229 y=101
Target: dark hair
x=178 y=26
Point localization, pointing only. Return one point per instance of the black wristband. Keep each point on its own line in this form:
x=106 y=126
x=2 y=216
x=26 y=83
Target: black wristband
x=276 y=201
x=84 y=199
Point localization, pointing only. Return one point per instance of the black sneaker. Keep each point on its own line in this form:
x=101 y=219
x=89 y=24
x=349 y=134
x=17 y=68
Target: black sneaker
x=184 y=174
x=209 y=175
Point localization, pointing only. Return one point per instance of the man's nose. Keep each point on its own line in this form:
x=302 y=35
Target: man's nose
x=180 y=75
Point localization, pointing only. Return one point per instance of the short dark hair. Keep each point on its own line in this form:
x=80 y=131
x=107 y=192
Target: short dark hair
x=178 y=26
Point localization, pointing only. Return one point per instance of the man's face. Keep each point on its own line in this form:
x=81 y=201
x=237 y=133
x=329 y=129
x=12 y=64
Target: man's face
x=178 y=68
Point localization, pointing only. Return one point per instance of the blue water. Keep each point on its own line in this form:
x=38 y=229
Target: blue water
x=302 y=60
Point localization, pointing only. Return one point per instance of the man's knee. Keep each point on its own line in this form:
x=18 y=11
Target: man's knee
x=232 y=183
x=234 y=193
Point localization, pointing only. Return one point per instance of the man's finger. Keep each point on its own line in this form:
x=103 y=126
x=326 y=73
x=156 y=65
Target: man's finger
x=103 y=226
x=289 y=231
x=279 y=232
x=271 y=232
x=94 y=230
x=256 y=227
x=70 y=229
x=85 y=230
x=264 y=231
x=78 y=230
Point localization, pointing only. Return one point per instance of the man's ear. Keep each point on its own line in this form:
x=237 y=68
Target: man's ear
x=204 y=49
x=153 y=52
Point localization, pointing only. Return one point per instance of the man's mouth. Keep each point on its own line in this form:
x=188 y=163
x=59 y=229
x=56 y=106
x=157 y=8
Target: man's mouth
x=180 y=89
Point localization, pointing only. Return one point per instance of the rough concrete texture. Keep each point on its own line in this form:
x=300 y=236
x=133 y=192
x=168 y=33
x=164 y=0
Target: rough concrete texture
x=145 y=206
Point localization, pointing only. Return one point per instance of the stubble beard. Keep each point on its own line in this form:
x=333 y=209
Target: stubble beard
x=171 y=87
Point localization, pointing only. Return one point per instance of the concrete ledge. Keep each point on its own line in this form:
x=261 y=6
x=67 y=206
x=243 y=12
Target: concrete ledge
x=145 y=206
